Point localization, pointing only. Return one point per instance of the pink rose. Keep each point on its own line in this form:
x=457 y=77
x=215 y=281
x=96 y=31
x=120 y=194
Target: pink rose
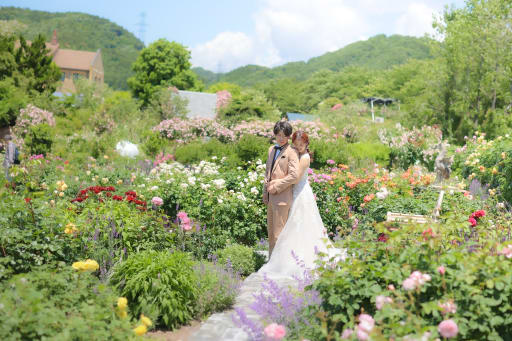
x=448 y=329
x=409 y=284
x=381 y=300
x=391 y=287
x=441 y=270
x=366 y=323
x=347 y=333
x=448 y=307
x=275 y=331
x=157 y=201
x=362 y=335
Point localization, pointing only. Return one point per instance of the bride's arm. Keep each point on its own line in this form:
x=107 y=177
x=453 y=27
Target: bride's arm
x=304 y=163
x=303 y=167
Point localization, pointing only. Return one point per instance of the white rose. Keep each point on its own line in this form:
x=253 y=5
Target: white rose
x=254 y=190
x=154 y=188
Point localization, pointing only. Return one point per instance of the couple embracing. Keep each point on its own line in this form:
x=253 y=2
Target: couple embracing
x=296 y=232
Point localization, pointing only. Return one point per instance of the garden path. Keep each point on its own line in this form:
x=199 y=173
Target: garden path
x=220 y=326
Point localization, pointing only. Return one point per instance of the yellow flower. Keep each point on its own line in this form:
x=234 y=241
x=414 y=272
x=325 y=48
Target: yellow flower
x=104 y=180
x=140 y=330
x=61 y=186
x=88 y=265
x=61 y=194
x=78 y=265
x=492 y=192
x=91 y=265
x=122 y=314
x=70 y=228
x=122 y=303
x=119 y=182
x=145 y=320
x=503 y=155
x=494 y=171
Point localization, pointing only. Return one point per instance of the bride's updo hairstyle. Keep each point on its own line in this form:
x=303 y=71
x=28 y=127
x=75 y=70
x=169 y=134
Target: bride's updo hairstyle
x=303 y=136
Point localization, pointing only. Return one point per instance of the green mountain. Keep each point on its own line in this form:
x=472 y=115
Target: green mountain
x=377 y=53
x=81 y=31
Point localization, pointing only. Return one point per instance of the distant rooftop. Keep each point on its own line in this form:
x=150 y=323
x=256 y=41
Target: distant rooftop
x=293 y=116
x=200 y=104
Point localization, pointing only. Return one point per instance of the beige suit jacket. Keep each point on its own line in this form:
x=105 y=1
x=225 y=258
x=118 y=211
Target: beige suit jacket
x=285 y=171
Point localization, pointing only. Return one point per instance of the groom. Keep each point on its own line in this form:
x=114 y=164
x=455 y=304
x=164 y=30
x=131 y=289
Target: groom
x=282 y=169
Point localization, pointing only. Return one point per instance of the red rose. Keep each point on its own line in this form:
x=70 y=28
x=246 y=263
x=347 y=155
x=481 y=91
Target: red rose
x=383 y=237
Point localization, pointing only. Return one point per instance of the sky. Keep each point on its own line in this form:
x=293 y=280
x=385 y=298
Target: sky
x=225 y=34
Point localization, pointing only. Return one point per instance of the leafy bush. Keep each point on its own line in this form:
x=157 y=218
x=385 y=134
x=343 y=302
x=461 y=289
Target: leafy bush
x=328 y=150
x=489 y=163
x=39 y=139
x=411 y=147
x=217 y=288
x=250 y=148
x=102 y=123
x=248 y=104
x=162 y=283
x=153 y=144
x=239 y=257
x=195 y=152
x=12 y=99
x=57 y=303
x=475 y=282
x=361 y=151
x=167 y=104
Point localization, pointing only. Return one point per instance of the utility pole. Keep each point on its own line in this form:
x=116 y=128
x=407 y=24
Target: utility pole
x=373 y=114
x=142 y=26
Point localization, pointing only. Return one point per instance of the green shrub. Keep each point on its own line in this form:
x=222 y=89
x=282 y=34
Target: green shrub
x=374 y=152
x=239 y=257
x=477 y=283
x=488 y=164
x=57 y=303
x=197 y=151
x=39 y=139
x=12 y=99
x=167 y=104
x=247 y=105
x=163 y=284
x=328 y=150
x=217 y=288
x=251 y=147
x=153 y=143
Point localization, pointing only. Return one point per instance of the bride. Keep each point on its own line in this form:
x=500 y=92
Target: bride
x=304 y=235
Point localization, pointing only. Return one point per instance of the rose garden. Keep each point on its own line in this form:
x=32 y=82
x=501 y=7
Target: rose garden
x=98 y=243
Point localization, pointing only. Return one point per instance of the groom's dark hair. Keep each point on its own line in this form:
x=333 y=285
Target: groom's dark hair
x=283 y=126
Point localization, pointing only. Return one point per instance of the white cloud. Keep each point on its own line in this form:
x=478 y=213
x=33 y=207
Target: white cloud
x=291 y=30
x=416 y=21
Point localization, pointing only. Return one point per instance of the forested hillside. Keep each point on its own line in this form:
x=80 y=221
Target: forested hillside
x=380 y=52
x=84 y=32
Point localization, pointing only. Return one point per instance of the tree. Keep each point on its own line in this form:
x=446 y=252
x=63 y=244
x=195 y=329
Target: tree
x=476 y=66
x=161 y=65
x=29 y=65
x=284 y=94
x=36 y=66
x=233 y=89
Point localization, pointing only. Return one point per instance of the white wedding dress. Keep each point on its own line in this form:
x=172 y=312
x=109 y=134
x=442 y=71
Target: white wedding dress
x=302 y=238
